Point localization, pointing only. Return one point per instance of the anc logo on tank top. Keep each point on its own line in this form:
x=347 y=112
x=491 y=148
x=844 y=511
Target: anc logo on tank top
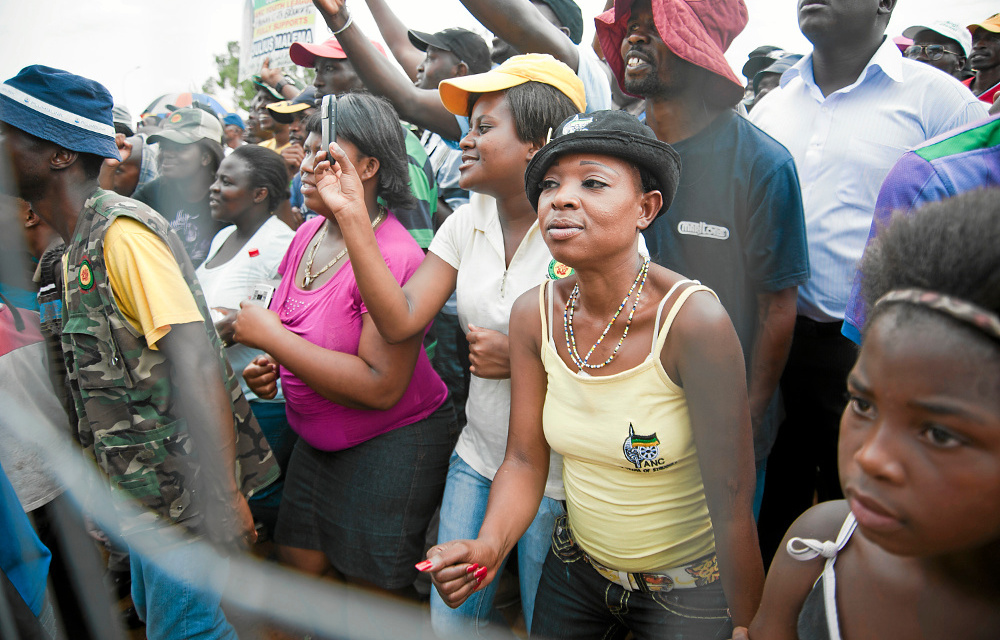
x=643 y=452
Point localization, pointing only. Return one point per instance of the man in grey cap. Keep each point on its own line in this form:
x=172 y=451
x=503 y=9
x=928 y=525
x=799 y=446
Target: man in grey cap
x=123 y=121
x=757 y=60
x=767 y=79
x=190 y=153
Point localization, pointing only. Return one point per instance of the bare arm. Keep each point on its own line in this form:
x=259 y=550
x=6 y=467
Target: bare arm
x=273 y=77
x=421 y=107
x=524 y=28
x=775 y=325
x=398 y=312
x=789 y=580
x=203 y=402
x=520 y=482
x=376 y=378
x=706 y=355
x=395 y=34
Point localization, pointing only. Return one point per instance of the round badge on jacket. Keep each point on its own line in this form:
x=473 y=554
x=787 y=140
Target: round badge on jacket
x=86 y=275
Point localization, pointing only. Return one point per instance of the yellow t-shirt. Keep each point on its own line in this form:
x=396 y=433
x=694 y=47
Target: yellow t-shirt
x=146 y=280
x=270 y=144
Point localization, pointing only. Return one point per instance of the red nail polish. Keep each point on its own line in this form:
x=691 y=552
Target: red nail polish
x=471 y=568
x=424 y=566
x=480 y=573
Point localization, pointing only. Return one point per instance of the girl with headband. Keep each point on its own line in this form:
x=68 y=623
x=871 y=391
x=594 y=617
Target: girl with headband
x=915 y=547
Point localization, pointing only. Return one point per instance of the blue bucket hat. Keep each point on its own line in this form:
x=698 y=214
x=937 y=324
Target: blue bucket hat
x=55 y=105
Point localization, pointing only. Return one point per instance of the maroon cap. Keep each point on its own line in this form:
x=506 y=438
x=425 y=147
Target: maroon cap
x=304 y=54
x=694 y=30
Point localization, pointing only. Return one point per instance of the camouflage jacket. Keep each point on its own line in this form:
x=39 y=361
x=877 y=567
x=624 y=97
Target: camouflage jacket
x=122 y=389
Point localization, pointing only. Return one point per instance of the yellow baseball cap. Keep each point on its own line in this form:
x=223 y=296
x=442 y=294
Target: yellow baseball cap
x=990 y=24
x=536 y=67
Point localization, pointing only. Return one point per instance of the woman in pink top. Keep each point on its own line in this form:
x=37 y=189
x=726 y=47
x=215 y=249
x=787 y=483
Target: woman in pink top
x=375 y=424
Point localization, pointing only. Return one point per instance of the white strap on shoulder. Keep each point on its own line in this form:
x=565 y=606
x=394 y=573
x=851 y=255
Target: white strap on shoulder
x=806 y=548
x=545 y=289
x=660 y=333
x=813 y=548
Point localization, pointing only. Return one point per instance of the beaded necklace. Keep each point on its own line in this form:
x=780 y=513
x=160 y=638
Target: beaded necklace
x=582 y=363
x=308 y=277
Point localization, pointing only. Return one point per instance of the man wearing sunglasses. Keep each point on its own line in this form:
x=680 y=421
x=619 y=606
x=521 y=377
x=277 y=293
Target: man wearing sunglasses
x=943 y=44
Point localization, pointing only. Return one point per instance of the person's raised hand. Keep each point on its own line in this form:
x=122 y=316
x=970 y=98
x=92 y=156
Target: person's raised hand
x=489 y=353
x=124 y=146
x=459 y=568
x=255 y=326
x=340 y=186
x=293 y=154
x=268 y=75
x=105 y=178
x=334 y=12
x=741 y=633
x=261 y=376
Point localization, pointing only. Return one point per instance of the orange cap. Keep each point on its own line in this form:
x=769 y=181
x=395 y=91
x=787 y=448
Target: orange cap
x=990 y=24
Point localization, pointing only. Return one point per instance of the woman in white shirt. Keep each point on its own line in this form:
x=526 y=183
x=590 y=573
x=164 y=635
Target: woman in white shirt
x=249 y=186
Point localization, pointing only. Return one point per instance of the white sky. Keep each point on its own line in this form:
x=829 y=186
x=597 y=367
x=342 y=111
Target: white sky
x=141 y=49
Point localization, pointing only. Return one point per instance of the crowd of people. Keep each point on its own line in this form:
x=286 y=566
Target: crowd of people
x=573 y=317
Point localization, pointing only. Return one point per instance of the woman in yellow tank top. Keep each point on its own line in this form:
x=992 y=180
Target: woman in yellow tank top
x=645 y=397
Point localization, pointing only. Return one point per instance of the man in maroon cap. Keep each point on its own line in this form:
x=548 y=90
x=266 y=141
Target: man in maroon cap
x=736 y=222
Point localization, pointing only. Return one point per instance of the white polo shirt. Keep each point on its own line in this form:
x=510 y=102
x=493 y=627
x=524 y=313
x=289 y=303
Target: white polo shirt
x=471 y=241
x=844 y=145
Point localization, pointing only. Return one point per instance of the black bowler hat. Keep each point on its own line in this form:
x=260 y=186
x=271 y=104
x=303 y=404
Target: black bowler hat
x=608 y=133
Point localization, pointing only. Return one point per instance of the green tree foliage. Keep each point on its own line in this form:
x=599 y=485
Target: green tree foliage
x=225 y=83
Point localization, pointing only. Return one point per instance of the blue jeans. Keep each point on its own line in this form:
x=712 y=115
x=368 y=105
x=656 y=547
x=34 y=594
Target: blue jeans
x=280 y=437
x=182 y=601
x=575 y=602
x=463 y=508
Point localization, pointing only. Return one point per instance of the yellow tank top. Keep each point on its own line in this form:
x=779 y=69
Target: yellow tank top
x=634 y=491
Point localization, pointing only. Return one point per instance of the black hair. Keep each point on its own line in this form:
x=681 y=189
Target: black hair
x=949 y=247
x=537 y=108
x=647 y=180
x=267 y=170
x=214 y=150
x=372 y=125
x=91 y=163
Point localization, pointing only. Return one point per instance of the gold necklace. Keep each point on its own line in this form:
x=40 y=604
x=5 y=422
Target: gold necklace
x=309 y=277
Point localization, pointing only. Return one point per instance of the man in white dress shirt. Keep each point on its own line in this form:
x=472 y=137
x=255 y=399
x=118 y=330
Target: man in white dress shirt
x=847 y=112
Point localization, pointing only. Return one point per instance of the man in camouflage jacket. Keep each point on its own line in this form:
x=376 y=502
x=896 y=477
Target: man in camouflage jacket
x=158 y=405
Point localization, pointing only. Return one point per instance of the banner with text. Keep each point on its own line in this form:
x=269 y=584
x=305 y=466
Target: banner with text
x=270 y=27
